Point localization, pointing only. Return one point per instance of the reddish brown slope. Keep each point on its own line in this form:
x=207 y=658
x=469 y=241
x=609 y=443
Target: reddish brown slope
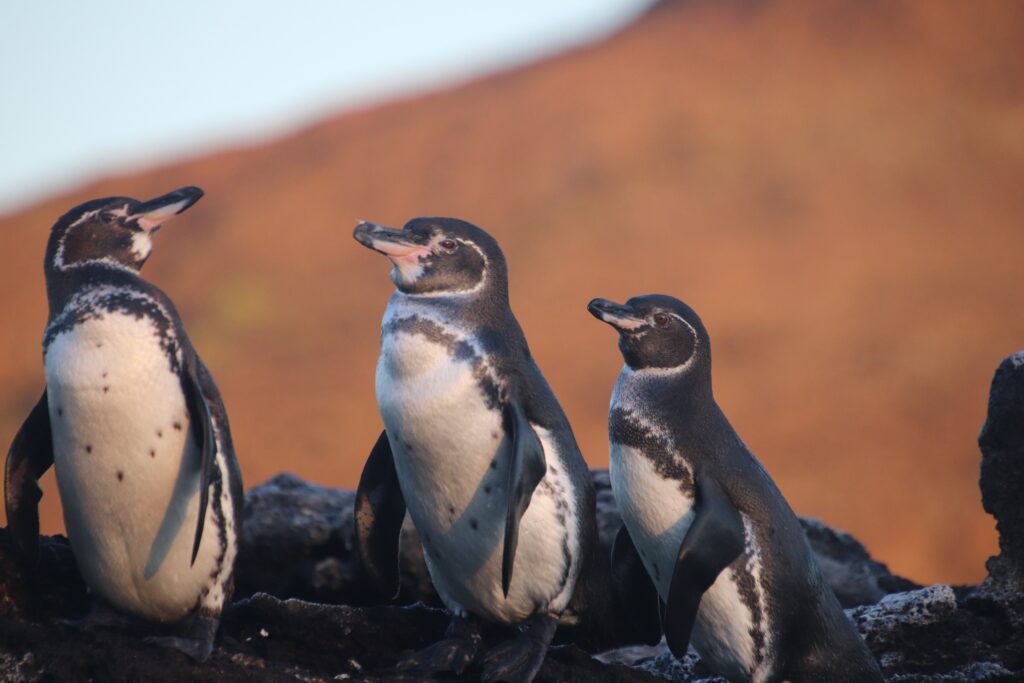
x=835 y=187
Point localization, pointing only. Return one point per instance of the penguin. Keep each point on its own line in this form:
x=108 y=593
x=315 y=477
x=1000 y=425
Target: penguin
x=135 y=428
x=476 y=448
x=719 y=545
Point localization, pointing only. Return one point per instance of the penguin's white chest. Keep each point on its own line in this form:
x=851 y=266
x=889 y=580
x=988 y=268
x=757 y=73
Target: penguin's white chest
x=127 y=467
x=658 y=512
x=451 y=454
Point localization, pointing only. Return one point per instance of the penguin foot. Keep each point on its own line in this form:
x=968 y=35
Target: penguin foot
x=196 y=637
x=454 y=653
x=198 y=649
x=518 y=660
x=100 y=616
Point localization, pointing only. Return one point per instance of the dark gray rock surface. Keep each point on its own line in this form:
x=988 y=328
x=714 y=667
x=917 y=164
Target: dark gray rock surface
x=1002 y=472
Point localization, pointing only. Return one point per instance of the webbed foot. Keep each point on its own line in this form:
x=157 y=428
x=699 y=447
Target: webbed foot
x=196 y=635
x=198 y=649
x=454 y=653
x=518 y=660
x=100 y=616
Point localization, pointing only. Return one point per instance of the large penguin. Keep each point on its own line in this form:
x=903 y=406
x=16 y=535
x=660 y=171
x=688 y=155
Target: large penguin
x=702 y=518
x=135 y=427
x=475 y=447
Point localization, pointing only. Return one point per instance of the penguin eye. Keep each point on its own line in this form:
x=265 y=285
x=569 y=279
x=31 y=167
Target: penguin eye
x=660 y=319
x=449 y=245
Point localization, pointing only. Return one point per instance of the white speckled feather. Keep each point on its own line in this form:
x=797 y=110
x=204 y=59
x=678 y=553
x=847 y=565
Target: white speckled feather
x=451 y=455
x=127 y=469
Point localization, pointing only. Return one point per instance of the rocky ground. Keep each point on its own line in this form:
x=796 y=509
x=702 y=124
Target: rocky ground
x=305 y=611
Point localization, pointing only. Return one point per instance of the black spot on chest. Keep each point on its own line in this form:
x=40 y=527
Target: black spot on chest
x=629 y=431
x=458 y=349
x=130 y=302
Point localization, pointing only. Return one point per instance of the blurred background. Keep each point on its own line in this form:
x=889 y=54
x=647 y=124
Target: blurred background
x=835 y=186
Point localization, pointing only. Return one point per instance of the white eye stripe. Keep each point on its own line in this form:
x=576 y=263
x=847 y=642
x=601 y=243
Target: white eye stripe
x=484 y=275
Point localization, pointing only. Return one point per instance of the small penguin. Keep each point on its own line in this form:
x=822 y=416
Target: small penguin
x=135 y=428
x=476 y=448
x=703 y=520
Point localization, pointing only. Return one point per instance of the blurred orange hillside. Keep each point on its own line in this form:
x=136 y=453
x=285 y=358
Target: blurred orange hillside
x=834 y=186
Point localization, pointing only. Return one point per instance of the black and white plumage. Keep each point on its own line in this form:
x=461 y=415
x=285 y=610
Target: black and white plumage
x=705 y=522
x=476 y=447
x=135 y=427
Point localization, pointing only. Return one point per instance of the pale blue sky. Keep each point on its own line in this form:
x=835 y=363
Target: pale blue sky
x=91 y=88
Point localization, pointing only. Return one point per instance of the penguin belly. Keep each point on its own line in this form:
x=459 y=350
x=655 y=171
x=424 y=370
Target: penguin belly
x=128 y=468
x=657 y=512
x=451 y=455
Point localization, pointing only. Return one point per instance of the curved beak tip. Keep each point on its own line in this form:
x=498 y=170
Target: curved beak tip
x=150 y=215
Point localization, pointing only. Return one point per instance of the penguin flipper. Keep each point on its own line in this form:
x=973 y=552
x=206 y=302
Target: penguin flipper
x=380 y=511
x=202 y=429
x=30 y=455
x=526 y=470
x=713 y=541
x=635 y=596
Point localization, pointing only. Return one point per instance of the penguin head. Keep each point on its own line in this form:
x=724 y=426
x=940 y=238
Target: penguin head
x=116 y=231
x=438 y=256
x=656 y=332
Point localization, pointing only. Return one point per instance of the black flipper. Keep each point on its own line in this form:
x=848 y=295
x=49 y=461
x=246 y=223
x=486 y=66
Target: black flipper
x=713 y=541
x=524 y=473
x=30 y=455
x=637 y=606
x=202 y=429
x=380 y=510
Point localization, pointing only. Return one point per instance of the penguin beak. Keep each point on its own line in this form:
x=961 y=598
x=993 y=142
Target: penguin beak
x=394 y=244
x=150 y=215
x=619 y=316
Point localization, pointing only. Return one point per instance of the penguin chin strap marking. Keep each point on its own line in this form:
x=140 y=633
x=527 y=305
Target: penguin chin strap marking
x=440 y=293
x=675 y=369
x=660 y=372
x=105 y=262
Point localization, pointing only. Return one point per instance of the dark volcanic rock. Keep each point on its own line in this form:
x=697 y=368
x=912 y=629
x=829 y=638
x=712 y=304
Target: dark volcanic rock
x=1002 y=471
x=856 y=578
x=939 y=633
x=298 y=542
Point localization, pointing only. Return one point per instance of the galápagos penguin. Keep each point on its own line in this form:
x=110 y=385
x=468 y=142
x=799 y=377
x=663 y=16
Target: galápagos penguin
x=476 y=448
x=135 y=427
x=725 y=553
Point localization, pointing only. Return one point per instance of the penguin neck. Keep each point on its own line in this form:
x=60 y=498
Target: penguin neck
x=684 y=399
x=473 y=309
x=62 y=283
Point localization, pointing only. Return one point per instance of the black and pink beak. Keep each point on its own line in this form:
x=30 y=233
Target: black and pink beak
x=150 y=215
x=397 y=245
x=620 y=316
